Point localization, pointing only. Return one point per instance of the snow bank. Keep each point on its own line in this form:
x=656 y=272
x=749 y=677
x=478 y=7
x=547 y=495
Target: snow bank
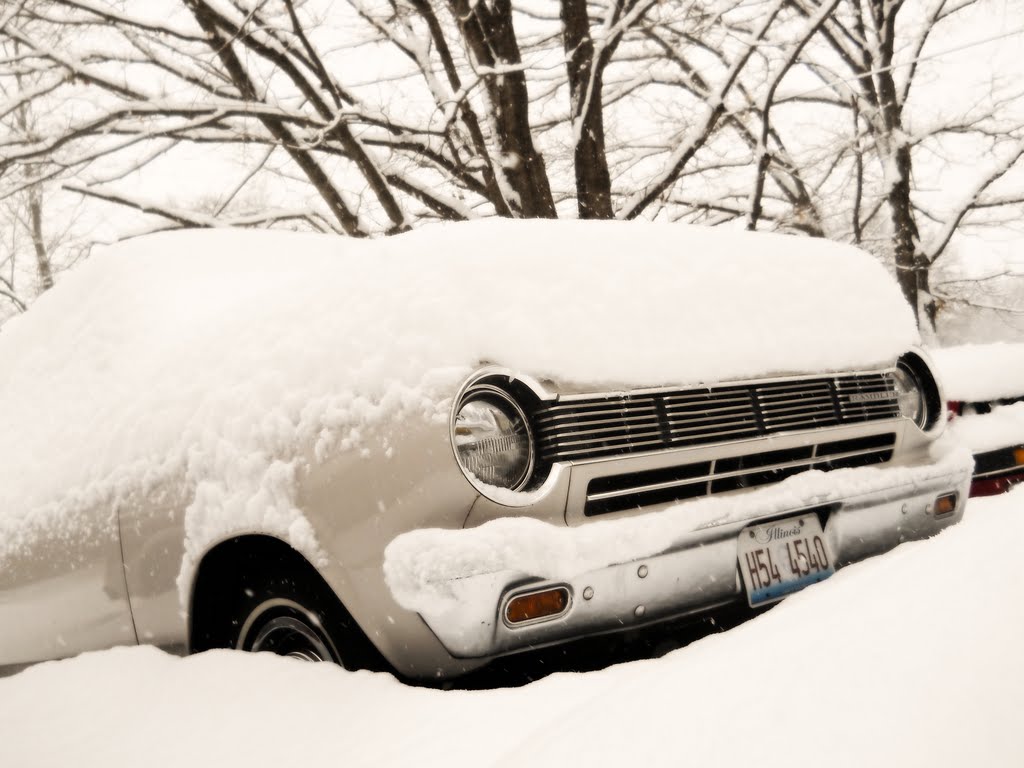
x=425 y=568
x=215 y=354
x=909 y=659
x=981 y=372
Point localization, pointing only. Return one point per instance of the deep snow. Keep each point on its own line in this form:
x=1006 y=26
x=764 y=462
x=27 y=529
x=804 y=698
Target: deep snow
x=910 y=659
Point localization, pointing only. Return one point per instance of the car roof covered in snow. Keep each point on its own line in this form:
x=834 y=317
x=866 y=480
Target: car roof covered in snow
x=981 y=372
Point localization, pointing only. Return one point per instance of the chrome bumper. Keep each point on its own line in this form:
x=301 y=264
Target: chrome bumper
x=698 y=573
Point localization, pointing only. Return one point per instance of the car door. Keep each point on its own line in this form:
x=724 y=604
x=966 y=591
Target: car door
x=62 y=589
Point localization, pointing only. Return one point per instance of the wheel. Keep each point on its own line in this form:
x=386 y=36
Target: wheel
x=256 y=593
x=285 y=627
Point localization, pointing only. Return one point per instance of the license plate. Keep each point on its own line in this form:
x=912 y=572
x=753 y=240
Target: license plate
x=782 y=557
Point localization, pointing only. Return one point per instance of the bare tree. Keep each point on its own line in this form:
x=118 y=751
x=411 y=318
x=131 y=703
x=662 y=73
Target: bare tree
x=23 y=211
x=484 y=99
x=868 y=57
x=689 y=110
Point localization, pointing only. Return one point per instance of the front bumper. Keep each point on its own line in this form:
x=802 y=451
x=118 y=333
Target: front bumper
x=696 y=572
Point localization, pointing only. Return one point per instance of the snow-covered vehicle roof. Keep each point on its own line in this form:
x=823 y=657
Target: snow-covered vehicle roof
x=986 y=383
x=981 y=372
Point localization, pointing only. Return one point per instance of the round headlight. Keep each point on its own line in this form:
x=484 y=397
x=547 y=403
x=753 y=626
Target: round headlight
x=911 y=395
x=492 y=438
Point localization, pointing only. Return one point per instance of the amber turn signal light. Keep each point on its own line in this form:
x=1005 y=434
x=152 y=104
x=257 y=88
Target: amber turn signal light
x=1018 y=456
x=537 y=605
x=945 y=504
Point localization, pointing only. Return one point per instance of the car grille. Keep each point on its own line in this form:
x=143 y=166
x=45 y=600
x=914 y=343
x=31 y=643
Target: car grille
x=639 y=489
x=623 y=424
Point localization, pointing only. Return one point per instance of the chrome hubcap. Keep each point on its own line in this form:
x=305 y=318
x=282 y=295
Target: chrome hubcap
x=289 y=634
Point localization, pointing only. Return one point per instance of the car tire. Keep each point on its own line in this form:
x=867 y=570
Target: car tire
x=286 y=627
x=295 y=614
x=255 y=593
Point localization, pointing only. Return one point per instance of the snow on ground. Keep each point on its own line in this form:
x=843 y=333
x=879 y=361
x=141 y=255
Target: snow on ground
x=910 y=659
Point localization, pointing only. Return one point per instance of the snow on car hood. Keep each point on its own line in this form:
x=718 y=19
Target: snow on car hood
x=212 y=354
x=981 y=372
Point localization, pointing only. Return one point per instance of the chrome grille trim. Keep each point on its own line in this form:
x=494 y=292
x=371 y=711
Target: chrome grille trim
x=651 y=417
x=632 y=436
x=618 y=424
x=697 y=426
x=586 y=453
x=615 y=493
x=725 y=432
x=608 y=406
x=714 y=475
x=571 y=412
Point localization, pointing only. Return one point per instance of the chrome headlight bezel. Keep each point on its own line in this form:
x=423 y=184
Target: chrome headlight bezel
x=504 y=403
x=914 y=373
x=910 y=395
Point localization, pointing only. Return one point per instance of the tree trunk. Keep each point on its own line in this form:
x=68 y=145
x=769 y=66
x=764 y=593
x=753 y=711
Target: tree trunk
x=593 y=183
x=44 y=269
x=491 y=38
x=911 y=263
x=34 y=197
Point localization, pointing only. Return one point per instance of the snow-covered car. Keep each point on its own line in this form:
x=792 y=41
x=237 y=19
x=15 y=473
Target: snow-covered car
x=985 y=387
x=453 y=444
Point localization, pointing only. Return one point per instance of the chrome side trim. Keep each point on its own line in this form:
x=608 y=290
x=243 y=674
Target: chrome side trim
x=1015 y=469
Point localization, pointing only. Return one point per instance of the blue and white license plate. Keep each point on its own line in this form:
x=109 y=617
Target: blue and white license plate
x=782 y=557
